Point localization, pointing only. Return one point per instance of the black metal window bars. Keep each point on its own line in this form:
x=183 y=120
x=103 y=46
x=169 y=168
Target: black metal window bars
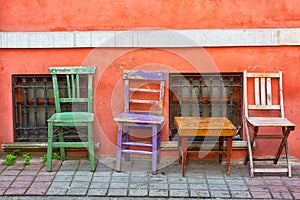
x=206 y=95
x=33 y=104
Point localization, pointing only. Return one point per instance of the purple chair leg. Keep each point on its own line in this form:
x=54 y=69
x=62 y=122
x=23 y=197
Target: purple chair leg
x=119 y=148
x=154 y=148
x=158 y=145
x=127 y=147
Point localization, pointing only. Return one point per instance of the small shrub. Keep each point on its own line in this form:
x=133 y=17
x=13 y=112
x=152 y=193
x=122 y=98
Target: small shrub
x=10 y=160
x=26 y=158
x=44 y=159
x=16 y=152
x=55 y=156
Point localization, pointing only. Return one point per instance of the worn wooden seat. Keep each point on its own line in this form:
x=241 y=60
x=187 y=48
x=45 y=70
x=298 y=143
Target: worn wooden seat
x=264 y=115
x=220 y=127
x=144 y=96
x=79 y=96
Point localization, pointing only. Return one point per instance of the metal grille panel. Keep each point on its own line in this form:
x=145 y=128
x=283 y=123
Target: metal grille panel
x=206 y=95
x=33 y=104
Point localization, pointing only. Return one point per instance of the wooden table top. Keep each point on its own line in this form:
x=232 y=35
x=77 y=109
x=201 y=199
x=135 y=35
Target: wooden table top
x=204 y=126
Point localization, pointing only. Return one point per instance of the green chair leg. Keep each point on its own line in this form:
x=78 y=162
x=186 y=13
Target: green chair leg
x=49 y=148
x=62 y=149
x=91 y=147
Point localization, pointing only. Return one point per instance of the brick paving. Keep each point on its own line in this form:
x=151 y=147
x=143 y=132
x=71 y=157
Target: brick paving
x=204 y=179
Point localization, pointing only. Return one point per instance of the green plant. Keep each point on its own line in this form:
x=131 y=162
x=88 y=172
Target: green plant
x=16 y=152
x=26 y=158
x=10 y=160
x=44 y=159
x=55 y=156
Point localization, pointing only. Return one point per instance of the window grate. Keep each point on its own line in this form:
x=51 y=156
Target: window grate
x=33 y=104
x=206 y=95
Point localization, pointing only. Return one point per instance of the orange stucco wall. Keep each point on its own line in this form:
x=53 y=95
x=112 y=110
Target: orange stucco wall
x=48 y=15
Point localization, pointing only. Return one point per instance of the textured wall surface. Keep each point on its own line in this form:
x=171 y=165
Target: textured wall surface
x=33 y=53
x=70 y=15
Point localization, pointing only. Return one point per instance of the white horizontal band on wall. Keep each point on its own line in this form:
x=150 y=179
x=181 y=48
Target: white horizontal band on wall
x=152 y=38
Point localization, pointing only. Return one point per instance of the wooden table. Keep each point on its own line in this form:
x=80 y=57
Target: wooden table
x=208 y=127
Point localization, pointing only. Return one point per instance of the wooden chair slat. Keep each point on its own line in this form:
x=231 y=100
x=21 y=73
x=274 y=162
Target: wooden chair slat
x=264 y=75
x=271 y=170
x=73 y=86
x=143 y=75
x=72 y=70
x=281 y=94
x=68 y=86
x=90 y=92
x=270 y=121
x=264 y=107
x=161 y=98
x=142 y=90
x=269 y=137
x=245 y=91
x=257 y=91
x=269 y=91
x=262 y=91
x=77 y=86
x=56 y=93
x=126 y=100
x=75 y=100
x=144 y=101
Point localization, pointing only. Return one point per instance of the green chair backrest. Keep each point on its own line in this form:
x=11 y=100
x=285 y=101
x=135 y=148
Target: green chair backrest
x=75 y=93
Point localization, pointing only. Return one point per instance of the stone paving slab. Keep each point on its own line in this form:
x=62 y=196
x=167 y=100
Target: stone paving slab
x=204 y=179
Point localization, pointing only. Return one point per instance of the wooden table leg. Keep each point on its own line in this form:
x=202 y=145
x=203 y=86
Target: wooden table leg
x=179 y=150
x=221 y=152
x=184 y=153
x=228 y=153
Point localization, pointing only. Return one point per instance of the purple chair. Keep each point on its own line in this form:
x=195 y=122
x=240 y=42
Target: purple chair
x=144 y=97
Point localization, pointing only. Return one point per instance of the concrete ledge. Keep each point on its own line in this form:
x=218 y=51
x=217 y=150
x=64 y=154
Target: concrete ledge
x=236 y=145
x=152 y=38
x=35 y=146
x=165 y=146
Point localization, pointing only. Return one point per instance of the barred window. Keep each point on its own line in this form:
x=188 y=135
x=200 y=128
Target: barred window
x=33 y=104
x=206 y=95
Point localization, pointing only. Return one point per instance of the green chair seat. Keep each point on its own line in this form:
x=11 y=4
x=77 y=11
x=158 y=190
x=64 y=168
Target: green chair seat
x=70 y=117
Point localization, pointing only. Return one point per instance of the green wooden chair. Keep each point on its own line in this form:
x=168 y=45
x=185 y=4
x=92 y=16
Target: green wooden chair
x=79 y=96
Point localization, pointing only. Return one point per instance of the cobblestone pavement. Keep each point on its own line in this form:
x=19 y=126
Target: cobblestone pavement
x=72 y=179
